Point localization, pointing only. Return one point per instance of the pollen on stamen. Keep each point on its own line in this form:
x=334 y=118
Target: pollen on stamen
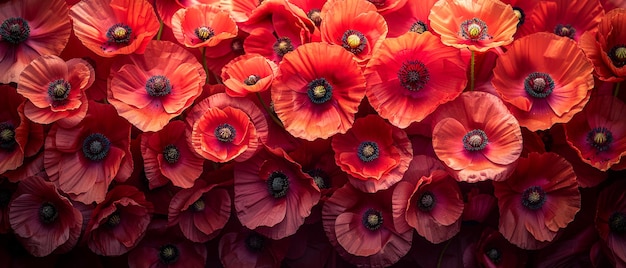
x=319 y=91
x=251 y=80
x=368 y=151
x=204 y=33
x=474 y=30
x=283 y=46
x=59 y=90
x=315 y=16
x=475 y=140
x=7 y=136
x=617 y=54
x=14 y=30
x=119 y=33
x=419 y=27
x=225 y=133
x=565 y=30
x=372 y=219
x=600 y=138
x=354 y=41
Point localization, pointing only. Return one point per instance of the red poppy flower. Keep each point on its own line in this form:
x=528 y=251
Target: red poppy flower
x=354 y=25
x=360 y=227
x=272 y=194
x=541 y=90
x=55 y=90
x=167 y=8
x=19 y=137
x=83 y=161
x=540 y=198
x=118 y=224
x=610 y=220
x=564 y=18
x=221 y=54
x=113 y=27
x=523 y=9
x=203 y=26
x=312 y=9
x=493 y=250
x=411 y=75
x=475 y=24
x=315 y=97
x=249 y=73
x=318 y=160
x=167 y=156
x=375 y=160
x=412 y=17
x=43 y=220
x=612 y=4
x=201 y=211
x=270 y=14
x=478 y=206
x=598 y=133
x=605 y=47
x=386 y=6
x=245 y=248
x=477 y=138
x=152 y=88
x=30 y=28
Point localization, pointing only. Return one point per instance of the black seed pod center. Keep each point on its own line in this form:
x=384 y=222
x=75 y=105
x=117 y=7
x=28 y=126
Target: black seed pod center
x=278 y=184
x=255 y=242
x=14 y=30
x=419 y=27
x=7 y=136
x=96 y=147
x=59 y=90
x=113 y=220
x=475 y=140
x=48 y=213
x=319 y=91
x=283 y=46
x=368 y=151
x=565 y=30
x=320 y=178
x=315 y=15
x=521 y=16
x=119 y=33
x=171 y=154
x=617 y=54
x=252 y=80
x=494 y=255
x=413 y=75
x=600 y=138
x=426 y=201
x=168 y=254
x=617 y=222
x=372 y=219
x=158 y=86
x=534 y=197
x=474 y=30
x=225 y=133
x=353 y=41
x=204 y=33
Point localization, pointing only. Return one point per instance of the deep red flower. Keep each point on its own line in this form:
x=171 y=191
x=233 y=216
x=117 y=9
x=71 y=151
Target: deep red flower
x=43 y=220
x=30 y=28
x=167 y=8
x=493 y=250
x=609 y=5
x=245 y=248
x=249 y=73
x=523 y=9
x=568 y=18
x=312 y=9
x=610 y=220
x=605 y=47
x=203 y=26
x=411 y=17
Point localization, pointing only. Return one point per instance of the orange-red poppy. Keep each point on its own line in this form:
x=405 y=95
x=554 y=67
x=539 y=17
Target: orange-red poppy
x=249 y=73
x=167 y=8
x=606 y=47
x=412 y=17
x=568 y=18
x=203 y=26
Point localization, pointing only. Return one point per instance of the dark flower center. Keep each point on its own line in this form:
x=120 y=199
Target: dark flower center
x=368 y=151
x=474 y=30
x=600 y=138
x=419 y=27
x=48 y=213
x=7 y=136
x=378 y=3
x=372 y=219
x=427 y=201
x=96 y=147
x=494 y=255
x=520 y=15
x=158 y=86
x=278 y=184
x=539 y=85
x=59 y=90
x=5 y=197
x=204 y=33
x=319 y=91
x=320 y=178
x=14 y=30
x=225 y=133
x=168 y=254
x=565 y=30
x=171 y=154
x=475 y=140
x=315 y=15
x=413 y=75
x=255 y=242
x=119 y=33
x=617 y=54
x=113 y=220
x=198 y=205
x=354 y=41
x=534 y=197
x=617 y=222
x=283 y=46
x=252 y=80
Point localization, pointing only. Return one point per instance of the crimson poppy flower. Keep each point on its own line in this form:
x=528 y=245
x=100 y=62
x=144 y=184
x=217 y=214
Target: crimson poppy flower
x=542 y=91
x=493 y=250
x=83 y=161
x=272 y=194
x=598 y=133
x=203 y=26
x=201 y=211
x=605 y=47
x=55 y=90
x=475 y=24
x=540 y=198
x=270 y=14
x=564 y=18
x=119 y=222
x=523 y=9
x=29 y=29
x=221 y=54
x=360 y=227
x=609 y=5
x=43 y=219
x=412 y=17
x=152 y=88
x=411 y=75
x=166 y=8
x=249 y=73
x=318 y=160
x=312 y=9
x=114 y=27
x=610 y=220
x=315 y=97
x=167 y=156
x=374 y=160
x=245 y=248
x=386 y=6
x=477 y=138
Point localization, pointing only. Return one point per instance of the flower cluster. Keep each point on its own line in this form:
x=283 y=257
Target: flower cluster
x=312 y=133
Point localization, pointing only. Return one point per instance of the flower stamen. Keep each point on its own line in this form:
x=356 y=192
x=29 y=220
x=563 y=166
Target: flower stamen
x=474 y=30
x=600 y=138
x=48 y=213
x=158 y=86
x=319 y=91
x=426 y=201
x=475 y=140
x=368 y=151
x=617 y=54
x=354 y=41
x=7 y=136
x=539 y=85
x=533 y=198
x=372 y=219
x=283 y=46
x=413 y=75
x=278 y=184
x=96 y=147
x=14 y=30
x=171 y=154
x=204 y=33
x=168 y=254
x=119 y=33
x=225 y=133
x=565 y=30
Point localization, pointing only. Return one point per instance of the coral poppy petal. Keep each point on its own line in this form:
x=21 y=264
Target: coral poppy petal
x=448 y=143
x=353 y=238
x=506 y=145
x=127 y=84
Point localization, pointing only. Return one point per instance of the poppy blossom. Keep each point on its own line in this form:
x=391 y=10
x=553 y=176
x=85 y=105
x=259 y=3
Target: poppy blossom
x=523 y=9
x=610 y=219
x=221 y=54
x=493 y=250
x=412 y=17
x=249 y=73
x=312 y=9
x=475 y=24
x=203 y=25
x=114 y=27
x=315 y=97
x=545 y=89
x=167 y=8
x=272 y=194
x=29 y=29
x=374 y=160
x=605 y=47
x=55 y=90
x=409 y=76
x=246 y=248
x=565 y=18
x=43 y=219
x=540 y=198
x=477 y=138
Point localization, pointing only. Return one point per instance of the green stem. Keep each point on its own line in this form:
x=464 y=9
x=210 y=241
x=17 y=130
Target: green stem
x=472 y=62
x=616 y=91
x=206 y=68
x=160 y=32
x=443 y=251
x=267 y=109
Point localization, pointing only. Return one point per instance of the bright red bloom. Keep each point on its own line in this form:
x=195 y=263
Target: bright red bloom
x=312 y=9
x=386 y=6
x=30 y=28
x=412 y=17
x=598 y=133
x=272 y=194
x=568 y=18
x=220 y=55
x=152 y=88
x=249 y=73
x=55 y=90
x=113 y=27
x=605 y=47
x=409 y=76
x=610 y=220
x=167 y=156
x=315 y=97
x=477 y=138
x=374 y=160
x=118 y=224
x=540 y=198
x=245 y=248
x=545 y=89
x=167 y=8
x=523 y=9
x=83 y=161
x=43 y=219
x=203 y=26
